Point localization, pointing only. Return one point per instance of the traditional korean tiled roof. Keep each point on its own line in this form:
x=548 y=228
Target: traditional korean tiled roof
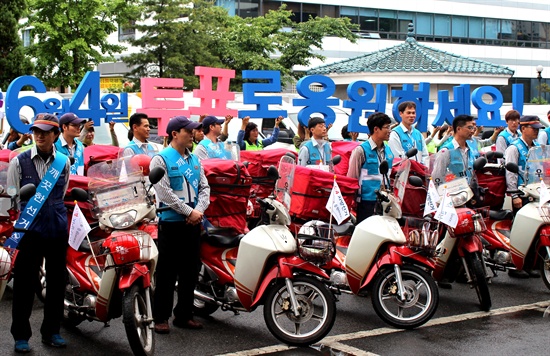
x=412 y=57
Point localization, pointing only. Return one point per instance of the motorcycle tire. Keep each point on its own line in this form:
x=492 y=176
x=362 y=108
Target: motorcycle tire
x=422 y=297
x=317 y=308
x=479 y=279
x=545 y=268
x=40 y=286
x=139 y=329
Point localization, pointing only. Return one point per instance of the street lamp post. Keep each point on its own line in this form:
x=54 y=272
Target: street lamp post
x=539 y=77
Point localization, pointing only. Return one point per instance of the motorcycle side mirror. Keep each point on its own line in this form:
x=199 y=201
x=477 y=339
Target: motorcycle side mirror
x=416 y=181
x=412 y=152
x=480 y=163
x=272 y=173
x=156 y=174
x=79 y=194
x=384 y=167
x=27 y=192
x=336 y=159
x=512 y=167
x=492 y=155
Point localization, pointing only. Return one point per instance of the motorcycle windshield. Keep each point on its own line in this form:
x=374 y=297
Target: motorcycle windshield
x=116 y=185
x=402 y=171
x=5 y=200
x=538 y=165
x=283 y=187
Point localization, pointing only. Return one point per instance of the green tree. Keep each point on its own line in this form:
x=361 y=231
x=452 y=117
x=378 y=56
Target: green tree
x=13 y=62
x=71 y=37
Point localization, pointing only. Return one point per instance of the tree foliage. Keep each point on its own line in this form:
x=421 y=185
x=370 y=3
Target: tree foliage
x=182 y=34
x=12 y=58
x=71 y=37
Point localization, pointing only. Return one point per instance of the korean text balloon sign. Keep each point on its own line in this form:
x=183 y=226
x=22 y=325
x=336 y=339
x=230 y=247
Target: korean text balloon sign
x=162 y=98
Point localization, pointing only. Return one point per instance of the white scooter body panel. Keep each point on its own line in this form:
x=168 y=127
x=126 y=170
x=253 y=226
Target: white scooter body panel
x=254 y=250
x=367 y=238
x=526 y=225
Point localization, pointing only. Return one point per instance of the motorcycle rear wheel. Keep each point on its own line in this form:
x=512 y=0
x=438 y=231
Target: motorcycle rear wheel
x=545 y=268
x=479 y=280
x=317 y=309
x=138 y=325
x=420 y=304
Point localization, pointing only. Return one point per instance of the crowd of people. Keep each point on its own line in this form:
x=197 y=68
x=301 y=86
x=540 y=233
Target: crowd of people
x=184 y=189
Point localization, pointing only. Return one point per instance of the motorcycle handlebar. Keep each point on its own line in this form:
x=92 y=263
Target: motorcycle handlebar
x=381 y=196
x=265 y=204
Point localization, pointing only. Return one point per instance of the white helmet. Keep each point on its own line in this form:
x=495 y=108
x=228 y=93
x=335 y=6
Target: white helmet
x=5 y=262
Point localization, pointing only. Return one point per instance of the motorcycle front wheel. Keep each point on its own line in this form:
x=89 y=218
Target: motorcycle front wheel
x=545 y=268
x=316 y=306
x=418 y=306
x=138 y=325
x=479 y=279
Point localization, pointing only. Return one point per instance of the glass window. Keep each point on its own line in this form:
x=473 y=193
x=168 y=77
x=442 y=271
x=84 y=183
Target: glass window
x=248 y=8
x=476 y=27
x=424 y=24
x=540 y=31
x=492 y=28
x=296 y=10
x=442 y=25
x=229 y=5
x=368 y=20
x=351 y=12
x=330 y=11
x=270 y=5
x=388 y=20
x=524 y=30
x=459 y=26
x=128 y=33
x=310 y=10
x=404 y=18
x=26 y=37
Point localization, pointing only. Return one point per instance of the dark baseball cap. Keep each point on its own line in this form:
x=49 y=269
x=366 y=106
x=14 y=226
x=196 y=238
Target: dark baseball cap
x=45 y=122
x=531 y=120
x=70 y=118
x=211 y=120
x=181 y=122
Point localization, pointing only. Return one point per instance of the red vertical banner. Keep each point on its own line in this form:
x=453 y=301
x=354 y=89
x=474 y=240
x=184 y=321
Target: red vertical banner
x=213 y=102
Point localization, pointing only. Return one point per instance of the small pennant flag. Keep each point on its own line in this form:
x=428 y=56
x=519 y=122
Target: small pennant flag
x=544 y=193
x=337 y=205
x=446 y=212
x=79 y=228
x=123 y=177
x=431 y=199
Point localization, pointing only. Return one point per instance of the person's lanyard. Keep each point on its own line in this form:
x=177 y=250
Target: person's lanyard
x=321 y=151
x=34 y=205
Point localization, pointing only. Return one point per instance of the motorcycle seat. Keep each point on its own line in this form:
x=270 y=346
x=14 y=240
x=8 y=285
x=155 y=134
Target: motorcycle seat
x=223 y=237
x=344 y=229
x=501 y=214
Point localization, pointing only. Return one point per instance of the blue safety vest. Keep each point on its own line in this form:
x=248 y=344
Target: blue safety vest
x=138 y=150
x=547 y=130
x=456 y=165
x=522 y=157
x=179 y=169
x=406 y=142
x=215 y=150
x=315 y=155
x=78 y=154
x=369 y=183
x=508 y=137
x=51 y=220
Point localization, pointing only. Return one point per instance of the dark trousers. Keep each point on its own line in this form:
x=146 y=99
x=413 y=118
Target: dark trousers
x=32 y=249
x=365 y=209
x=179 y=258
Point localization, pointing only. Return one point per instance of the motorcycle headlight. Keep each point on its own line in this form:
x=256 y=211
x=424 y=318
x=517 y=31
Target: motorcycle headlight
x=124 y=220
x=459 y=199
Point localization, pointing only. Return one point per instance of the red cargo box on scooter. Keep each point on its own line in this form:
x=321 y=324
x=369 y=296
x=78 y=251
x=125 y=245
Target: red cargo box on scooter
x=344 y=149
x=414 y=196
x=99 y=153
x=81 y=182
x=311 y=190
x=230 y=185
x=258 y=163
x=5 y=155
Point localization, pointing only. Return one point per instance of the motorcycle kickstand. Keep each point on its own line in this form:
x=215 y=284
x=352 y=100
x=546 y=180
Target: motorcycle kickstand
x=293 y=300
x=399 y=281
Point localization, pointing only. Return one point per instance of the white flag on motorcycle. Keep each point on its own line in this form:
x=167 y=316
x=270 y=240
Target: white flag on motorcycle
x=431 y=199
x=79 y=228
x=446 y=212
x=123 y=177
x=337 y=205
x=544 y=193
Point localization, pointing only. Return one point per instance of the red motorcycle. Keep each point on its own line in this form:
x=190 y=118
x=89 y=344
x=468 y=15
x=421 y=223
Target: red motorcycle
x=111 y=273
x=267 y=266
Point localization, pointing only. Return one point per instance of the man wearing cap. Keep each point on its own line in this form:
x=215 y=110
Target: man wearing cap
x=211 y=146
x=138 y=135
x=44 y=218
x=517 y=153
x=185 y=190
x=68 y=144
x=544 y=135
x=317 y=150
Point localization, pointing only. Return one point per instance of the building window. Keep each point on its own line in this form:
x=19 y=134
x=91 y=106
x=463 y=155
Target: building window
x=268 y=5
x=127 y=33
x=296 y=9
x=248 y=8
x=26 y=37
x=442 y=25
x=424 y=24
x=368 y=20
x=459 y=26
